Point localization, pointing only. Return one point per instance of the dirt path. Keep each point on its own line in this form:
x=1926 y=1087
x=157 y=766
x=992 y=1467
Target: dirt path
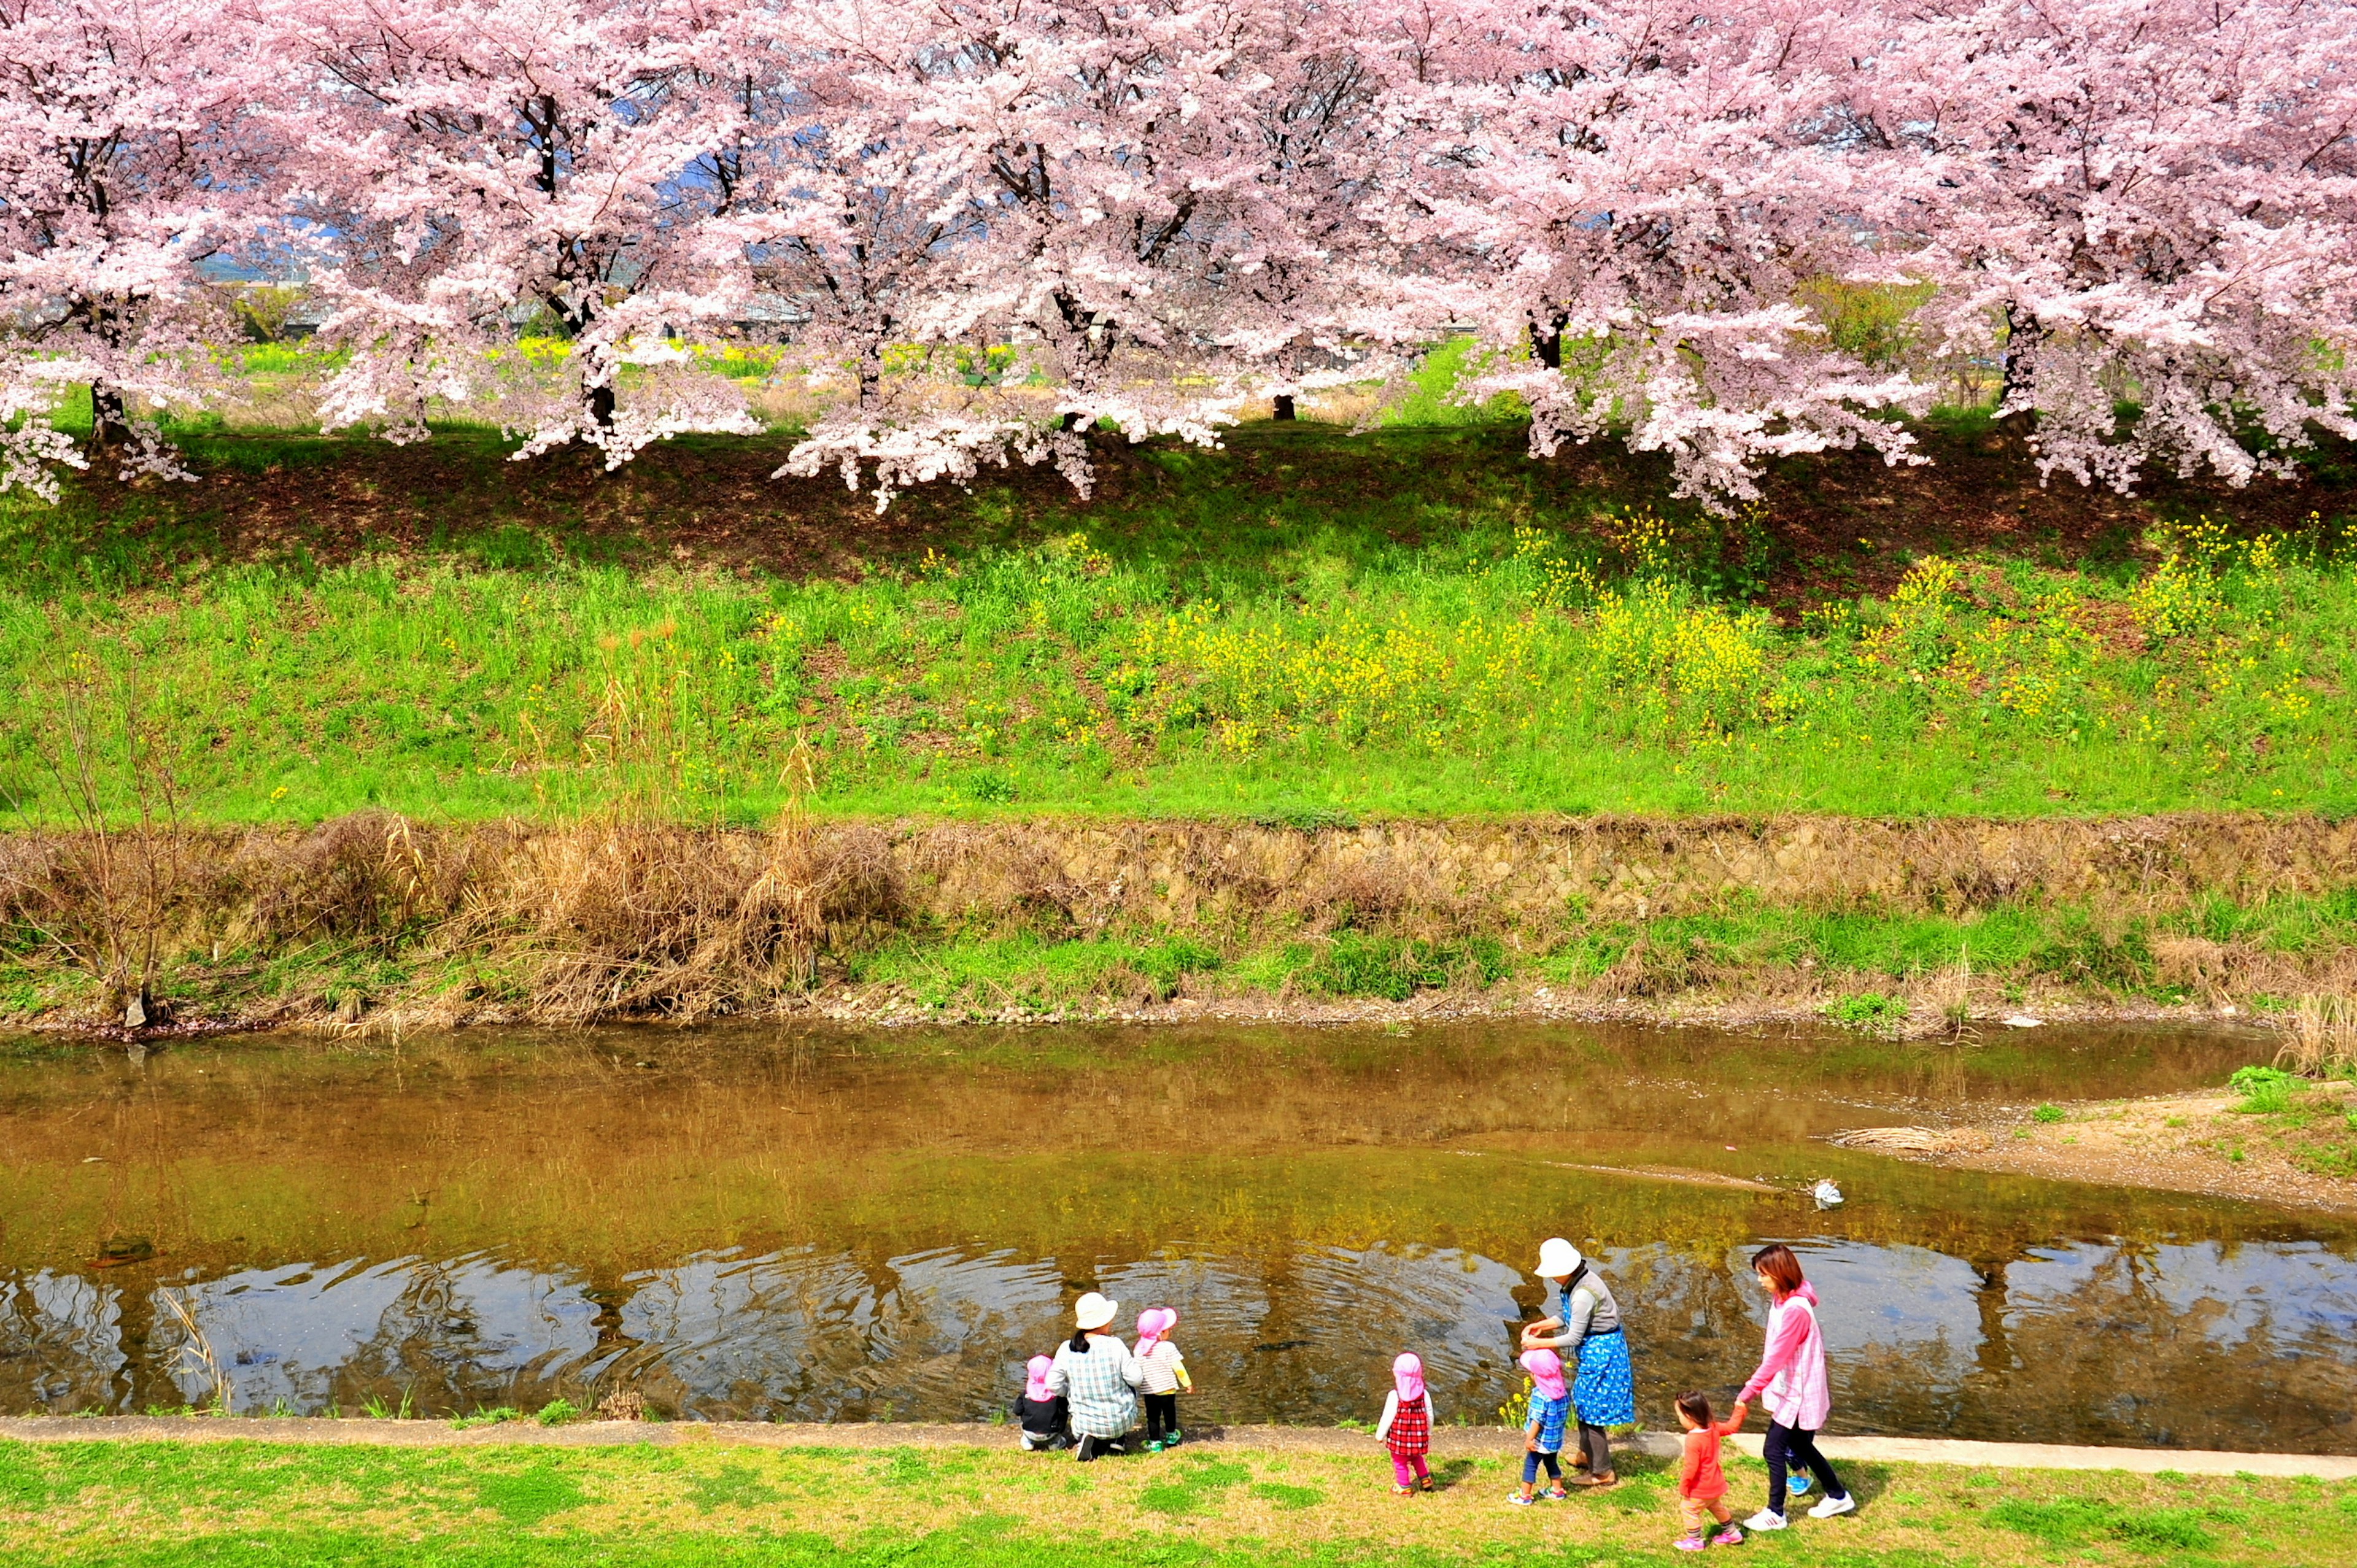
x=2183 y=1143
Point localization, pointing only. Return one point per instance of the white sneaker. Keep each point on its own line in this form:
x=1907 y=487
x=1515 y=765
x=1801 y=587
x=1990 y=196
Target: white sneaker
x=1832 y=1507
x=1764 y=1520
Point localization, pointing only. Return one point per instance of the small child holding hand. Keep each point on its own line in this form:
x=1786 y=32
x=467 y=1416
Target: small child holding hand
x=1406 y=1426
x=1702 y=1485
x=1543 y=1434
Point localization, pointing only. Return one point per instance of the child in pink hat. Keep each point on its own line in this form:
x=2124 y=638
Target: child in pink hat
x=1165 y=1374
x=1406 y=1426
x=1543 y=1433
x=1042 y=1413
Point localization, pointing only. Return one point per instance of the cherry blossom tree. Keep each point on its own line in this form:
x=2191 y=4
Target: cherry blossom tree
x=856 y=212
x=1621 y=199
x=1093 y=178
x=476 y=165
x=129 y=160
x=1168 y=209
x=1303 y=261
x=2150 y=201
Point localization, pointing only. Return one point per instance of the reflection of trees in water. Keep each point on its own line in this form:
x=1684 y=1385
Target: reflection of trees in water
x=1223 y=1317
x=1689 y=1323
x=834 y=1336
x=426 y=1345
x=61 y=1345
x=2124 y=1355
x=2131 y=1342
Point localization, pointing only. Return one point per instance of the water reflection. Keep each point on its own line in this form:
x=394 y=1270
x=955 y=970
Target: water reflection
x=758 y=1229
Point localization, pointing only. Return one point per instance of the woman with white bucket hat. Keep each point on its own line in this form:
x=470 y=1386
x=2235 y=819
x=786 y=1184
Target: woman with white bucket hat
x=1587 y=1326
x=1097 y=1374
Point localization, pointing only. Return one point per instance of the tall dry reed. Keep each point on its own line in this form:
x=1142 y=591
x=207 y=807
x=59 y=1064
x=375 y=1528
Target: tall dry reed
x=2323 y=1036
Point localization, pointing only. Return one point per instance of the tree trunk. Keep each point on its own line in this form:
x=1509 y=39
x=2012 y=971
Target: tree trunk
x=1547 y=345
x=1284 y=406
x=871 y=377
x=2021 y=330
x=601 y=406
x=1073 y=421
x=110 y=419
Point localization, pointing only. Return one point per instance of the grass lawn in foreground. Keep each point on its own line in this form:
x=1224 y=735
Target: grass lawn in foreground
x=1305 y=626
x=258 y=1503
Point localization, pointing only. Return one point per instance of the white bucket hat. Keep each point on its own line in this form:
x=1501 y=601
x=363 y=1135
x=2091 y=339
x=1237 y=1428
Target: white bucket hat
x=1094 y=1311
x=1557 y=1258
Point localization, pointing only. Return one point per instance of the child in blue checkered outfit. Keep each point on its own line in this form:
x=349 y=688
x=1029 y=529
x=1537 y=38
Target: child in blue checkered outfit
x=1543 y=1436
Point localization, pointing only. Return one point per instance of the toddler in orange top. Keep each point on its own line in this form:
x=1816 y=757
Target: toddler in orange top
x=1702 y=1485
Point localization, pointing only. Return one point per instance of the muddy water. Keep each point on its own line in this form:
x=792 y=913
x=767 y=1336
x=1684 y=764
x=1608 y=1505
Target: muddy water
x=857 y=1226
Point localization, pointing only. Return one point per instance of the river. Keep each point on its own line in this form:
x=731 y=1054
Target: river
x=803 y=1223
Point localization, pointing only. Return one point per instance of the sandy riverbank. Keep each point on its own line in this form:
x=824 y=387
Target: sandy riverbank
x=2209 y=1144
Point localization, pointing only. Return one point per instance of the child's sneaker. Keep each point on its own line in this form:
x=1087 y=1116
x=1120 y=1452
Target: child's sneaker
x=1554 y=1494
x=1833 y=1507
x=1519 y=1501
x=1730 y=1536
x=1799 y=1486
x=1176 y=1438
x=1424 y=1484
x=1764 y=1520
x=1690 y=1544
x=1400 y=1491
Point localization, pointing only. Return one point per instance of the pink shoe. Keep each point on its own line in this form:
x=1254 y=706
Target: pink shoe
x=1690 y=1544
x=1730 y=1536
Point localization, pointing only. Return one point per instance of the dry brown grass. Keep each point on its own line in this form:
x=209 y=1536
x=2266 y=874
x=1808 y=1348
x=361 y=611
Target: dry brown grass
x=2323 y=1036
x=632 y=914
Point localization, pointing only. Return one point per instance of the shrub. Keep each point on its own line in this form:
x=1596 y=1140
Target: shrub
x=2266 y=1090
x=1396 y=968
x=1869 y=1010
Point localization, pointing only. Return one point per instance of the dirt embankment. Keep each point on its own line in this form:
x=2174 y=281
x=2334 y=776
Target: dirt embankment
x=374 y=919
x=1835 y=523
x=2224 y=1145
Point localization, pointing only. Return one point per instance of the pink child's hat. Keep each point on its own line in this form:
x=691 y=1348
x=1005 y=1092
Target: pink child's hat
x=1545 y=1368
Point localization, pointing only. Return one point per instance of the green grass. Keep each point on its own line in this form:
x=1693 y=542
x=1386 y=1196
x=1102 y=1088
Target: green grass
x=1298 y=629
x=2309 y=1123
x=709 y=1504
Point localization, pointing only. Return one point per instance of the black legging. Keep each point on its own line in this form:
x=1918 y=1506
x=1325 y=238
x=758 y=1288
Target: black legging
x=1795 y=1447
x=1161 y=1416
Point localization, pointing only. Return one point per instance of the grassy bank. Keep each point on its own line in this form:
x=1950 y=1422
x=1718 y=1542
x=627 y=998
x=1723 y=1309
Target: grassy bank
x=122 y=1504
x=1304 y=627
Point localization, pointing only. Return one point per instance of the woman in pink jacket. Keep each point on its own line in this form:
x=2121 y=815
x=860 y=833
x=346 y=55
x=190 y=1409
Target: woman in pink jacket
x=1799 y=1396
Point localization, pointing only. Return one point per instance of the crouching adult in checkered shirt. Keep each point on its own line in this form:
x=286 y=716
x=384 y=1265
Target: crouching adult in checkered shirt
x=1098 y=1378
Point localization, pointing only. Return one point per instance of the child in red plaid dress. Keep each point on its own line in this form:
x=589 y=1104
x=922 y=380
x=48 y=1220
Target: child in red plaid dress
x=1406 y=1427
